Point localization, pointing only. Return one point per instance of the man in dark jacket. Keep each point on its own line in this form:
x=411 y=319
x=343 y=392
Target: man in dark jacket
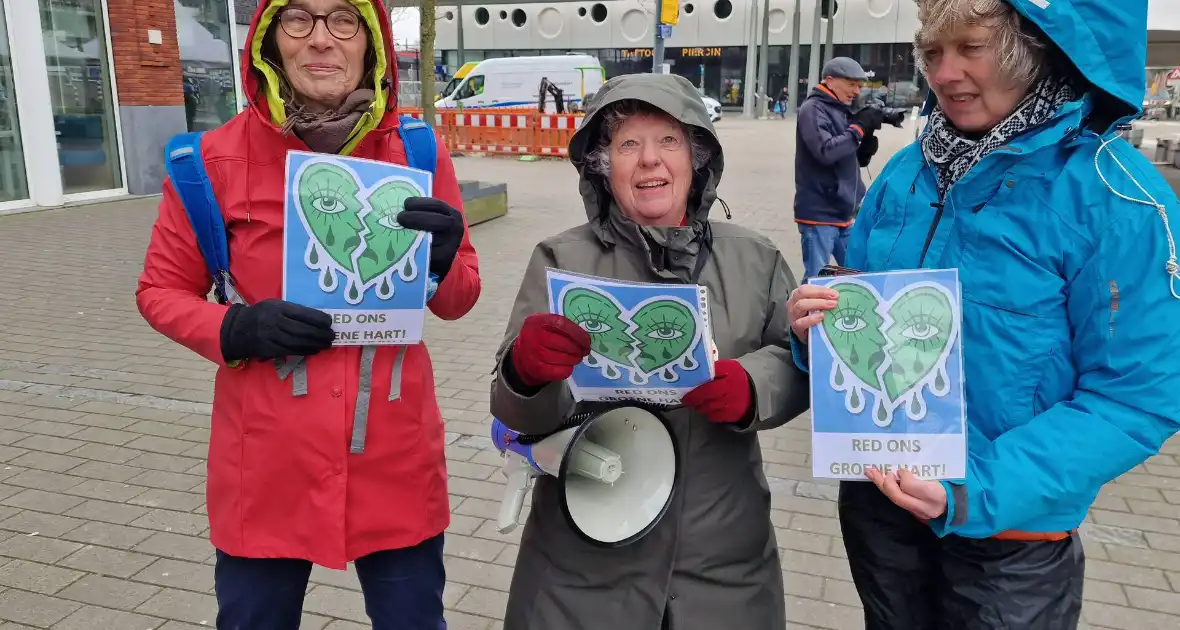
x=828 y=187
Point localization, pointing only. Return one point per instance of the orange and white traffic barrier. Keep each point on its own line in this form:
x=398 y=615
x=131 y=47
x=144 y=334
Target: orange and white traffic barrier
x=510 y=132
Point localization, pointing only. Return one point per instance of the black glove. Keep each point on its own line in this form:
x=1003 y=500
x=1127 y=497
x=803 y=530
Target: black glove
x=866 y=151
x=427 y=214
x=274 y=328
x=869 y=118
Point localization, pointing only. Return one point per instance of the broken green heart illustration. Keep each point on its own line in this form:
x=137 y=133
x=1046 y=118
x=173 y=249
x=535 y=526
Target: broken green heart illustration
x=354 y=232
x=656 y=336
x=891 y=349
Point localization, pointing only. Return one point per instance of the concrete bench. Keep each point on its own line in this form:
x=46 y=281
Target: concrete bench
x=483 y=201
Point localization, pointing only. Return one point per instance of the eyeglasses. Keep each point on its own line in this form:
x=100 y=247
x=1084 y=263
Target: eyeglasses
x=298 y=23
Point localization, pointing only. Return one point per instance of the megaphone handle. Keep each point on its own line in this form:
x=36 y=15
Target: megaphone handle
x=510 y=507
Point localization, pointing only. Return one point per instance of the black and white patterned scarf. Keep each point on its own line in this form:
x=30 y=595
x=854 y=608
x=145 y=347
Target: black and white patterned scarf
x=953 y=154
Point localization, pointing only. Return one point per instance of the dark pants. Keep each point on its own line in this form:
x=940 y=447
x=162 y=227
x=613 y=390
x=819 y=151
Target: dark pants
x=820 y=244
x=403 y=589
x=909 y=578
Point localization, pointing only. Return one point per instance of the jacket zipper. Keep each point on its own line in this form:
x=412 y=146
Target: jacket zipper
x=938 y=208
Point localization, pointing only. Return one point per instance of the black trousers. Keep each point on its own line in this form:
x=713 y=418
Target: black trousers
x=909 y=579
x=403 y=589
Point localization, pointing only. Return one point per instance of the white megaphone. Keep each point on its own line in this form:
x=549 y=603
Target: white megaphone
x=616 y=468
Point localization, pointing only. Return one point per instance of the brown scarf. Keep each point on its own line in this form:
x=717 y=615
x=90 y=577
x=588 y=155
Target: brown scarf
x=327 y=132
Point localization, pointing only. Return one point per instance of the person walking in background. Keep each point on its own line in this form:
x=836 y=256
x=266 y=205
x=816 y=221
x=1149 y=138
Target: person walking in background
x=784 y=98
x=284 y=490
x=828 y=187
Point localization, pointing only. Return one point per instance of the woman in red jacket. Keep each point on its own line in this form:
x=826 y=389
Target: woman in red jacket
x=284 y=491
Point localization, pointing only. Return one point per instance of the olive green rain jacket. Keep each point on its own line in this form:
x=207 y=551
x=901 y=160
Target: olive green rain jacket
x=712 y=562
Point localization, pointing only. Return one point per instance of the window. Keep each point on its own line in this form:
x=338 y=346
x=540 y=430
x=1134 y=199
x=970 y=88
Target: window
x=13 y=182
x=203 y=33
x=83 y=104
x=473 y=87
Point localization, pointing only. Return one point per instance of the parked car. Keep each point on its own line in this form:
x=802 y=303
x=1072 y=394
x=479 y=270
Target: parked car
x=714 y=107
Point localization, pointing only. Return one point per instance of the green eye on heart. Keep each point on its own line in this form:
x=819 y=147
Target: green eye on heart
x=387 y=242
x=327 y=199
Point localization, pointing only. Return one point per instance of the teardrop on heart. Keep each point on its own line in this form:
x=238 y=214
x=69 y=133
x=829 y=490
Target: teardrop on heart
x=854 y=399
x=328 y=279
x=941 y=384
x=385 y=288
x=916 y=409
x=881 y=415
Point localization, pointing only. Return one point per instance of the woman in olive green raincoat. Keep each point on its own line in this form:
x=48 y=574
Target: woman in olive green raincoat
x=650 y=162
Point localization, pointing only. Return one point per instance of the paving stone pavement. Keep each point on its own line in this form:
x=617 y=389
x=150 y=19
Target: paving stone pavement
x=104 y=424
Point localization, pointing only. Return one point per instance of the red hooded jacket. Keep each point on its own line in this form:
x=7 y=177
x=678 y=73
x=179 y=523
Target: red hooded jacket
x=281 y=480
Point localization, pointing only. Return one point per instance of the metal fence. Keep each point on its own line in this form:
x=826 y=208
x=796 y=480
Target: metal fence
x=409 y=93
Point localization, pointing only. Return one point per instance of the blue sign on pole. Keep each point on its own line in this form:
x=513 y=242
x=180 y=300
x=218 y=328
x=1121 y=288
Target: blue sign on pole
x=665 y=31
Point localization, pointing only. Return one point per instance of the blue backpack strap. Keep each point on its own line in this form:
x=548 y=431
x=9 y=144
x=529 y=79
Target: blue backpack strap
x=186 y=170
x=421 y=153
x=419 y=141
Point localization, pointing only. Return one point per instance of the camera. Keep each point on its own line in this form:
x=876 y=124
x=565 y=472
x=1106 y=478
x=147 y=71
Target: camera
x=891 y=115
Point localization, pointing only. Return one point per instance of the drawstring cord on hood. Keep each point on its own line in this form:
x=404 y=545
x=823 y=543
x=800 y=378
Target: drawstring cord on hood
x=1171 y=266
x=725 y=207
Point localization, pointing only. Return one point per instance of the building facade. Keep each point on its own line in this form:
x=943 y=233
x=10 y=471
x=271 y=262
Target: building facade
x=90 y=90
x=708 y=45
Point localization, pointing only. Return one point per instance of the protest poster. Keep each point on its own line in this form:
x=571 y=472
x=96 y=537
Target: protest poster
x=648 y=342
x=887 y=386
x=344 y=252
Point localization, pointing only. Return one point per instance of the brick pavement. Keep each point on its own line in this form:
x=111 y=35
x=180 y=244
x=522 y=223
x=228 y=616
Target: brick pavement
x=103 y=429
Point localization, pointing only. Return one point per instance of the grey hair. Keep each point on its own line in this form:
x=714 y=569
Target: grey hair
x=1020 y=53
x=598 y=158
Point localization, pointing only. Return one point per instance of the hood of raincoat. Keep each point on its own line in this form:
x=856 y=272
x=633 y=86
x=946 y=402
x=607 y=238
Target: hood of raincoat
x=1094 y=35
x=670 y=93
x=260 y=77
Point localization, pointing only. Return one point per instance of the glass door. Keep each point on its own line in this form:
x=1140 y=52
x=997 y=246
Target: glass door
x=203 y=34
x=13 y=183
x=84 y=109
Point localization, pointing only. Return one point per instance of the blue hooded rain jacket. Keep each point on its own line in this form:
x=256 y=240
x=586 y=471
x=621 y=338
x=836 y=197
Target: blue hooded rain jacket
x=1071 y=304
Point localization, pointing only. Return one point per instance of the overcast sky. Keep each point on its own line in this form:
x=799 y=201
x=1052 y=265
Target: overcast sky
x=1161 y=15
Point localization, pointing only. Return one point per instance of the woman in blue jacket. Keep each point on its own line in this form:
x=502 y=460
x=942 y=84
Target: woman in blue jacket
x=1071 y=308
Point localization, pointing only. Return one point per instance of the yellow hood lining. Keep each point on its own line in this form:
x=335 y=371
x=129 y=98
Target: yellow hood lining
x=274 y=100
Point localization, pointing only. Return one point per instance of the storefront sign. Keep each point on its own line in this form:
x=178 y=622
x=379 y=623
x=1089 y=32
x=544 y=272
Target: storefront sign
x=635 y=53
x=714 y=51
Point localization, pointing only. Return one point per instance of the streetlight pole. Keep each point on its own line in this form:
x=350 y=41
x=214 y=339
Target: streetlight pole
x=751 y=61
x=813 y=77
x=657 y=57
x=830 y=40
x=793 y=73
x=459 y=17
x=764 y=62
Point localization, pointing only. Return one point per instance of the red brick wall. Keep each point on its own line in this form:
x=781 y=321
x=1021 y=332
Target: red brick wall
x=146 y=74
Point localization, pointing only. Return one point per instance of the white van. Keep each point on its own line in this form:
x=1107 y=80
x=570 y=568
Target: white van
x=515 y=82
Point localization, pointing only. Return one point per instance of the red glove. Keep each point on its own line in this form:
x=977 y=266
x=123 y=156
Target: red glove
x=726 y=398
x=547 y=349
